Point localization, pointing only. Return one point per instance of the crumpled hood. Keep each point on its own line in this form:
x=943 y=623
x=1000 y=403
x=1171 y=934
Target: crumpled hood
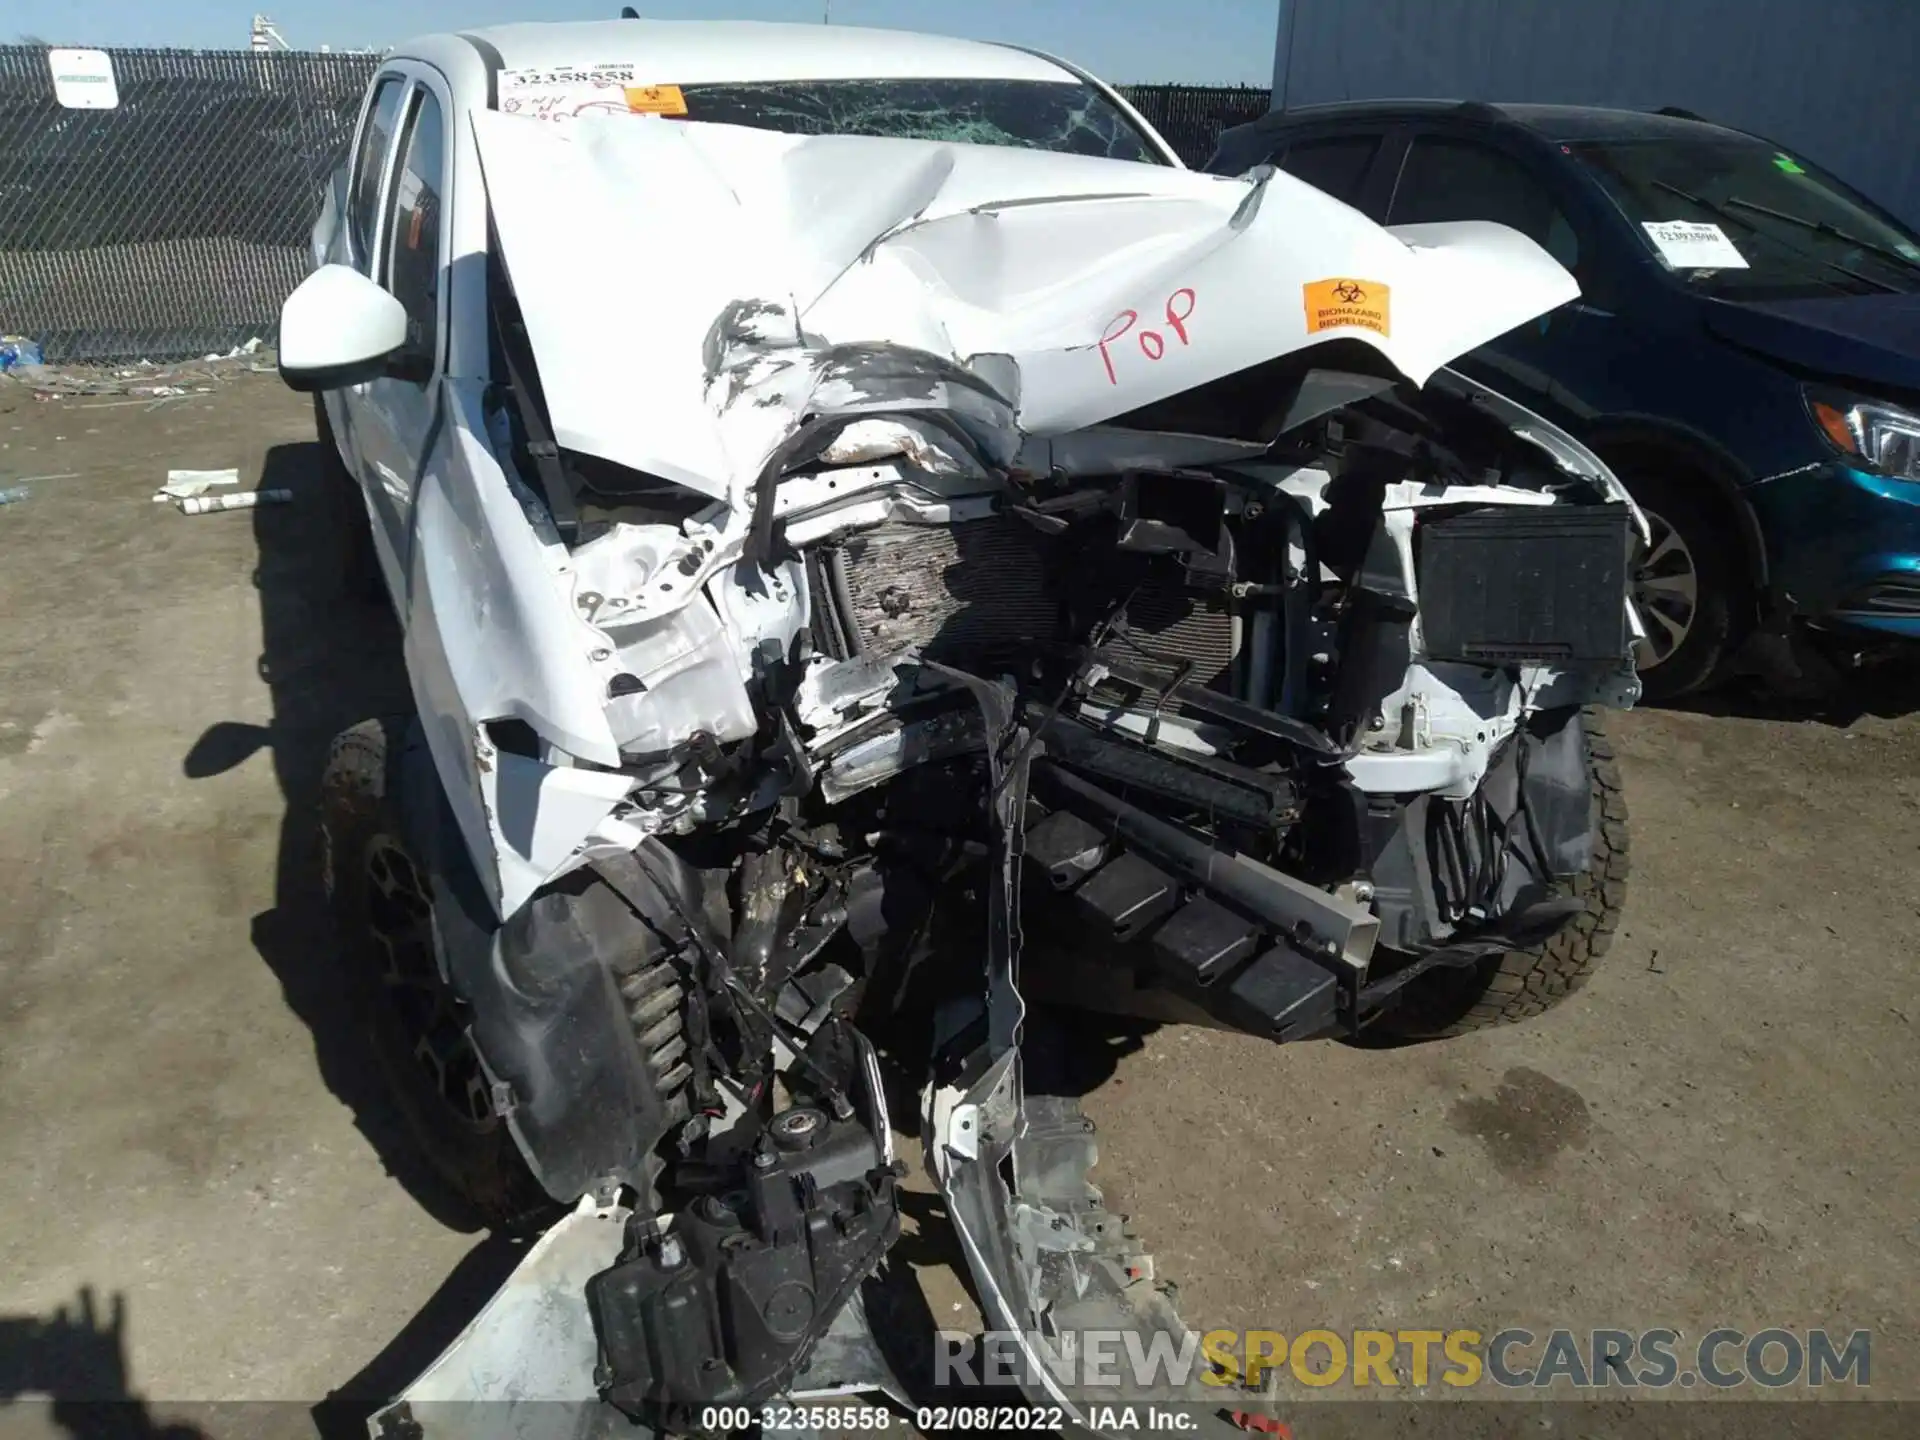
x=693 y=291
x=1874 y=339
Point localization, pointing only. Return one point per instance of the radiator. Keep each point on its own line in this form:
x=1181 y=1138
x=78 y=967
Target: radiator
x=1172 y=626
x=972 y=595
x=979 y=595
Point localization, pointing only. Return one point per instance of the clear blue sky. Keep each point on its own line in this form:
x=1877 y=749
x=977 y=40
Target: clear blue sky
x=1127 y=41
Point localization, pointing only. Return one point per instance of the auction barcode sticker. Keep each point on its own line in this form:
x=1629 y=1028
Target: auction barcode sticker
x=1686 y=245
x=566 y=92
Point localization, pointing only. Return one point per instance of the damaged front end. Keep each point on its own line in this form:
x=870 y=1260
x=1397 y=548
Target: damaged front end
x=1027 y=576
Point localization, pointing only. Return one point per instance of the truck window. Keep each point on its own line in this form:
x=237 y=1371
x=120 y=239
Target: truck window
x=413 y=224
x=369 y=157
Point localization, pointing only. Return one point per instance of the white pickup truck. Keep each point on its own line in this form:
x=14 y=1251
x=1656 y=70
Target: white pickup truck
x=879 y=542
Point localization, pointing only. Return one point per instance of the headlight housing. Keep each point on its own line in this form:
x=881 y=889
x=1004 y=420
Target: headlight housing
x=1882 y=437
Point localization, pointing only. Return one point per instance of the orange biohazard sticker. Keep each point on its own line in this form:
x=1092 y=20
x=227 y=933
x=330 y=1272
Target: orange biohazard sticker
x=1347 y=305
x=655 y=100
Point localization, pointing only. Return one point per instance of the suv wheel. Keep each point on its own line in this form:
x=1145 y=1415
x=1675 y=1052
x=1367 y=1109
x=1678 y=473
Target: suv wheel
x=416 y=1025
x=1683 y=586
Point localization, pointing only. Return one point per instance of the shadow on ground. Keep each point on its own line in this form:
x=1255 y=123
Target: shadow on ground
x=1075 y=1052
x=1888 y=691
x=343 y=1414
x=330 y=658
x=74 y=1362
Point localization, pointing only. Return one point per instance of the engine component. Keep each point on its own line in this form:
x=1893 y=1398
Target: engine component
x=724 y=1305
x=1285 y=995
x=578 y=1018
x=1172 y=627
x=1126 y=896
x=1203 y=941
x=1215 y=788
x=974 y=591
x=654 y=999
x=1333 y=930
x=985 y=592
x=1065 y=848
x=1513 y=584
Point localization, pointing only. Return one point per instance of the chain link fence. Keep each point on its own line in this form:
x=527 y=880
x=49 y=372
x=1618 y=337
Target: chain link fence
x=1192 y=116
x=176 y=223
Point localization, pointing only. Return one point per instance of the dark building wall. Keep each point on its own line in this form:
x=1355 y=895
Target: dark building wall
x=1831 y=79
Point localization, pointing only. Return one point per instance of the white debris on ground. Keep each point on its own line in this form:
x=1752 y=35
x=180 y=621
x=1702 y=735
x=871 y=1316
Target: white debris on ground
x=185 y=484
x=188 y=488
x=246 y=500
x=142 y=382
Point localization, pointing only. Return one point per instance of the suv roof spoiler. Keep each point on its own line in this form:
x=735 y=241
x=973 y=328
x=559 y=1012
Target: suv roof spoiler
x=1479 y=110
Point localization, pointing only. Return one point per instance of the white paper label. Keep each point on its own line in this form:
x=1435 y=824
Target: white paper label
x=83 y=79
x=563 y=92
x=1687 y=246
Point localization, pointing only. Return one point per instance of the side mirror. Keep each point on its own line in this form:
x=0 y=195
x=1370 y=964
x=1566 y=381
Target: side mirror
x=339 y=328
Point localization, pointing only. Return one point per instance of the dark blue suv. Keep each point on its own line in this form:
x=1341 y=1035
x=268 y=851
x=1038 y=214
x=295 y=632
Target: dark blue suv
x=1745 y=352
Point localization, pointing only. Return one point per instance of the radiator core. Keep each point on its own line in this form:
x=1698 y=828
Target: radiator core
x=981 y=594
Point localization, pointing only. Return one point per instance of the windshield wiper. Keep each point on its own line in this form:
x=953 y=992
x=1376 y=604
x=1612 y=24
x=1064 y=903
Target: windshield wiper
x=1706 y=205
x=1752 y=229
x=1829 y=229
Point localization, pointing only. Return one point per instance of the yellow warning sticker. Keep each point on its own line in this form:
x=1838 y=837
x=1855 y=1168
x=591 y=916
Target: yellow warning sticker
x=1347 y=305
x=655 y=100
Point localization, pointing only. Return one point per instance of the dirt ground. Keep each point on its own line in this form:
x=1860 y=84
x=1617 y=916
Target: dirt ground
x=1718 y=1131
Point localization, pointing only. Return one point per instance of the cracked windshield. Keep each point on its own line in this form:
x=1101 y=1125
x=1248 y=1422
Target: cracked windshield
x=1032 y=114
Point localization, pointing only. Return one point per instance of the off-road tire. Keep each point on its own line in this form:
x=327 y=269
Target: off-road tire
x=474 y=1161
x=349 y=528
x=1524 y=983
x=1701 y=657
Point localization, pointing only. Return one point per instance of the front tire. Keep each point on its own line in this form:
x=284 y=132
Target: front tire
x=1524 y=983
x=415 y=1025
x=1685 y=586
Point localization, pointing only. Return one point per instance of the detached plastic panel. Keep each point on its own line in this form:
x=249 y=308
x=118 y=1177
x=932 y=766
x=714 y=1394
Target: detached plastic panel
x=1203 y=941
x=1066 y=848
x=1285 y=995
x=1128 y=895
x=1519 y=583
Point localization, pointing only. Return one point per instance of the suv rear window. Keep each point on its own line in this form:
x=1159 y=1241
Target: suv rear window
x=1066 y=117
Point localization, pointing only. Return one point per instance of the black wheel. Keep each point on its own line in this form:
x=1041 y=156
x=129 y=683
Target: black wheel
x=1685 y=586
x=347 y=519
x=1525 y=983
x=416 y=1026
